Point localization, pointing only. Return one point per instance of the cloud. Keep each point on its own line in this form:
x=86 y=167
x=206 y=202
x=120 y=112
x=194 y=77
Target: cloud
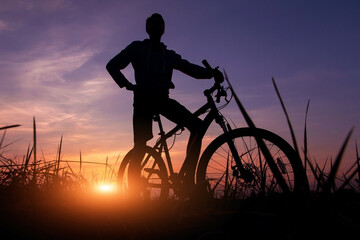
x=17 y=5
x=42 y=72
x=53 y=65
x=3 y=26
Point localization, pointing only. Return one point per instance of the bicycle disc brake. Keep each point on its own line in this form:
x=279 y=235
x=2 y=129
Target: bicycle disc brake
x=243 y=173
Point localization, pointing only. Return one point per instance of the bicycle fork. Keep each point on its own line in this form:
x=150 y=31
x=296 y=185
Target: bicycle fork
x=238 y=170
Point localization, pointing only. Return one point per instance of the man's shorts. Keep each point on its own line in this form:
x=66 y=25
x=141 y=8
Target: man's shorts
x=147 y=105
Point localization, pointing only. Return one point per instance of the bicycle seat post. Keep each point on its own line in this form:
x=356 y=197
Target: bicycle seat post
x=163 y=145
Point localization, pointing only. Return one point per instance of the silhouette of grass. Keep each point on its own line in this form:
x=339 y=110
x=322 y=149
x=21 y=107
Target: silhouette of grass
x=42 y=199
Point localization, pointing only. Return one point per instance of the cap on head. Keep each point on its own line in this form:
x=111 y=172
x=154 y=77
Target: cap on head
x=155 y=25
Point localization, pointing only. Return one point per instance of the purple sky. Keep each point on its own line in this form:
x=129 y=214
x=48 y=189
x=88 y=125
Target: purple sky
x=53 y=57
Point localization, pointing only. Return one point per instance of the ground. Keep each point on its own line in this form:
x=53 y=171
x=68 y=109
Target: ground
x=47 y=215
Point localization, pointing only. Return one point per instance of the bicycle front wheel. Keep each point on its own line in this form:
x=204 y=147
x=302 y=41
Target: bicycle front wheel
x=221 y=175
x=154 y=177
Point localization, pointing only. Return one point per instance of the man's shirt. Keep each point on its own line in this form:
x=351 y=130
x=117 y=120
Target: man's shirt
x=153 y=65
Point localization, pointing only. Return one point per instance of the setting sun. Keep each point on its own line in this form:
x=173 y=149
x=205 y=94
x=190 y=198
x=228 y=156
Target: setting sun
x=106 y=188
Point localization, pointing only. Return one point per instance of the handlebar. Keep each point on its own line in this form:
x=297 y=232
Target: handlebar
x=218 y=77
x=207 y=65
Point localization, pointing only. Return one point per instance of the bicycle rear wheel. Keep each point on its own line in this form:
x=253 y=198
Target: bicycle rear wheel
x=218 y=171
x=154 y=177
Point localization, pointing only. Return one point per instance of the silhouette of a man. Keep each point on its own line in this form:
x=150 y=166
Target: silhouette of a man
x=153 y=65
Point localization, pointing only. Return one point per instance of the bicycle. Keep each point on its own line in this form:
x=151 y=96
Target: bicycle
x=238 y=163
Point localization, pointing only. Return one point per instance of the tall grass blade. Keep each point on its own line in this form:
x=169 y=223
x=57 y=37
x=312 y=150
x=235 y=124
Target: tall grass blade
x=10 y=143
x=358 y=163
x=305 y=137
x=227 y=176
x=350 y=169
x=113 y=172
x=313 y=170
x=331 y=178
x=322 y=175
x=69 y=167
x=2 y=138
x=58 y=159
x=301 y=173
x=34 y=151
x=11 y=126
x=106 y=167
x=80 y=162
x=262 y=167
x=348 y=179
x=260 y=141
x=28 y=156
x=239 y=104
x=287 y=118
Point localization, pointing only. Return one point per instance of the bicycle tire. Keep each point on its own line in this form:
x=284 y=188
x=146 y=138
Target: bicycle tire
x=153 y=170
x=221 y=181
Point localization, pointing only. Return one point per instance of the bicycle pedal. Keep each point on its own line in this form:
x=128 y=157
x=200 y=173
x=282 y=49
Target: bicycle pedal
x=151 y=170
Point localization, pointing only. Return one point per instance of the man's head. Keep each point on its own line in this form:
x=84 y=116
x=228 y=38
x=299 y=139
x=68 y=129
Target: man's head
x=155 y=26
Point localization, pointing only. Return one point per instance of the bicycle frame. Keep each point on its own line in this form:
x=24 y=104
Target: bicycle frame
x=213 y=114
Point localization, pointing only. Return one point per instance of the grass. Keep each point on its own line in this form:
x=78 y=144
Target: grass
x=47 y=199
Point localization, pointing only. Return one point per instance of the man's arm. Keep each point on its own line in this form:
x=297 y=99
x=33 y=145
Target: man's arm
x=118 y=63
x=192 y=70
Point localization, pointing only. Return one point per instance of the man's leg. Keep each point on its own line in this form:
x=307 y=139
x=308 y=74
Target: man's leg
x=134 y=171
x=177 y=113
x=192 y=155
x=142 y=126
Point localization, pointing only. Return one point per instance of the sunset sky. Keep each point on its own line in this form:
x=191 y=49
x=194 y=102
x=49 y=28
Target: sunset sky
x=53 y=56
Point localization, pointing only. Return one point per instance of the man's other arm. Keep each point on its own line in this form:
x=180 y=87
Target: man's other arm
x=118 y=63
